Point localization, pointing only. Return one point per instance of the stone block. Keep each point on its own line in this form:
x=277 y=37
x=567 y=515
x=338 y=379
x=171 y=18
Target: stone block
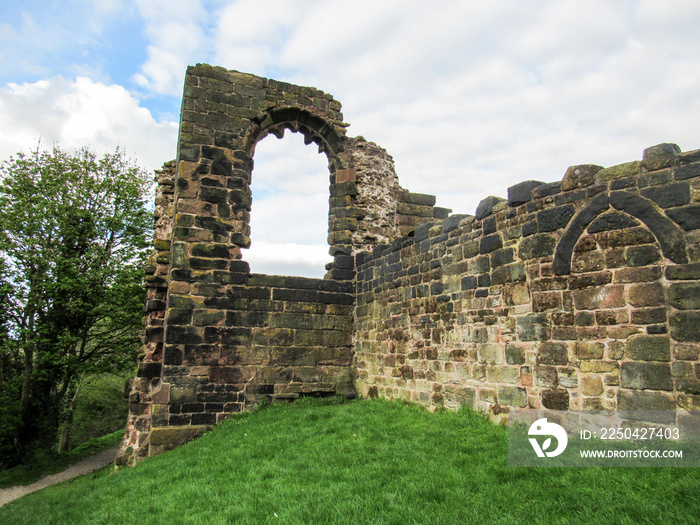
x=649 y=315
x=421 y=199
x=414 y=210
x=660 y=156
x=612 y=317
x=452 y=222
x=490 y=353
x=343 y=188
x=510 y=374
x=670 y=195
x=648 y=348
x=183 y=394
x=555 y=399
x=612 y=221
x=514 y=294
x=641 y=375
x=687 y=172
x=512 y=396
x=546 y=376
x=555 y=218
x=591 y=385
x=589 y=349
x=172 y=437
x=543 y=301
x=620 y=171
x=508 y=274
x=579 y=176
x=208 y=317
x=489 y=395
x=599 y=297
x=600 y=367
x=578 y=282
x=490 y=243
x=182 y=334
x=687 y=217
x=515 y=355
x=458 y=396
x=686 y=352
x=681 y=272
x=546 y=190
x=537 y=246
x=638 y=275
x=685 y=326
x=648 y=401
x=642 y=255
x=646 y=294
x=552 y=354
x=522 y=192
x=533 y=327
x=684 y=296
x=485 y=207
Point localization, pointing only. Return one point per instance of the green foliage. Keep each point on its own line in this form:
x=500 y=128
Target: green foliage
x=99 y=407
x=74 y=236
x=370 y=461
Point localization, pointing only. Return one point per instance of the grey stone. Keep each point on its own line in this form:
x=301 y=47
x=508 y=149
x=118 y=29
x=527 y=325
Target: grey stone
x=522 y=192
x=485 y=207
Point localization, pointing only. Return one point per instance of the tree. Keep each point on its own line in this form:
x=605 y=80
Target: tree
x=74 y=234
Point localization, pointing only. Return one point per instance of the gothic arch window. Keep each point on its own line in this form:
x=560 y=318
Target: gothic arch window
x=289 y=211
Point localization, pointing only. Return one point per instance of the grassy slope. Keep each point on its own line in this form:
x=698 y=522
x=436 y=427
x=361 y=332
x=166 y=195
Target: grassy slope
x=360 y=462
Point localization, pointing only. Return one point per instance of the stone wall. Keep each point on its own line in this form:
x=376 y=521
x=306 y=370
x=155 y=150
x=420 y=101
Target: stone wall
x=217 y=338
x=577 y=294
x=580 y=294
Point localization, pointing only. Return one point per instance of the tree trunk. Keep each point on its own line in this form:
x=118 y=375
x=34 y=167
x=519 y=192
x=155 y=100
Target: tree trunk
x=25 y=401
x=67 y=426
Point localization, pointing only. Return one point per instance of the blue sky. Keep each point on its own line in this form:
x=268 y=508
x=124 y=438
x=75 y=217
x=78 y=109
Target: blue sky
x=469 y=97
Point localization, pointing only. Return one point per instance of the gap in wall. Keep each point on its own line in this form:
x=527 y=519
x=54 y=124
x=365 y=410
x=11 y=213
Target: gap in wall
x=289 y=215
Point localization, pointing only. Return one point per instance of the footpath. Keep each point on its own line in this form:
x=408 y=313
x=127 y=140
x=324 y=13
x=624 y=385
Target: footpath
x=84 y=466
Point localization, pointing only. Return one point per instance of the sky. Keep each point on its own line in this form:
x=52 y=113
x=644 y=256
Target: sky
x=469 y=97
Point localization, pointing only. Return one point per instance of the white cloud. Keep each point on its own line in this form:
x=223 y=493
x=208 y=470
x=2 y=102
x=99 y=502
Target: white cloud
x=469 y=98
x=82 y=113
x=474 y=97
x=177 y=31
x=288 y=259
x=289 y=216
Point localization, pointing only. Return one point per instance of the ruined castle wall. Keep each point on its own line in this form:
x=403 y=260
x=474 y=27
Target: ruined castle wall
x=580 y=294
x=138 y=426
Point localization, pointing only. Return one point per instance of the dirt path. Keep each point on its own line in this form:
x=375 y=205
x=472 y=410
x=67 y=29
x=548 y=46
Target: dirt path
x=84 y=466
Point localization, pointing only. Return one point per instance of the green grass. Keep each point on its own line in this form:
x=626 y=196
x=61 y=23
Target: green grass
x=365 y=462
x=51 y=463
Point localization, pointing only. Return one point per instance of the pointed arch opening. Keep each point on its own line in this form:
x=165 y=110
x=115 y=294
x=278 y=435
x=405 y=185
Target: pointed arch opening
x=289 y=210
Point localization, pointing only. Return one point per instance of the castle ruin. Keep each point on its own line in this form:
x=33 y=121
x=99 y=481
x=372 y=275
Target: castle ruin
x=579 y=294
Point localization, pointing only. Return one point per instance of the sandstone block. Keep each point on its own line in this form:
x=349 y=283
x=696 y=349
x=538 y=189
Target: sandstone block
x=648 y=348
x=591 y=385
x=589 y=349
x=552 y=354
x=579 y=176
x=640 y=375
x=512 y=396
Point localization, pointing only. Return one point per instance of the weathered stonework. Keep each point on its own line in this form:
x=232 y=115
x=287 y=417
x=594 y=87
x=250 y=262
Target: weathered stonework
x=579 y=294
